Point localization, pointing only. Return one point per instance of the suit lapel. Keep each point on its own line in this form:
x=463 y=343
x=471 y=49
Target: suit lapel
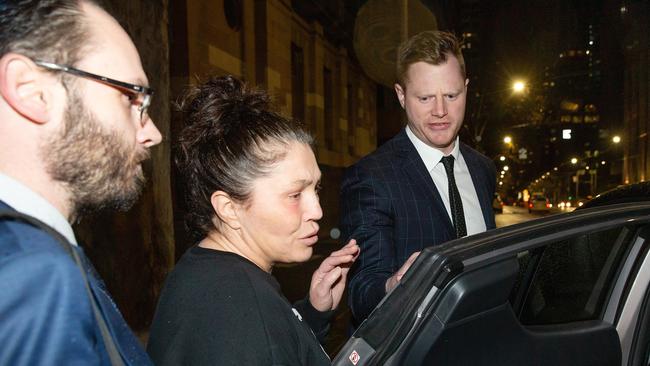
x=413 y=167
x=480 y=186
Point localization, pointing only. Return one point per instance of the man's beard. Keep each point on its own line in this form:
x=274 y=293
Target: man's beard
x=96 y=166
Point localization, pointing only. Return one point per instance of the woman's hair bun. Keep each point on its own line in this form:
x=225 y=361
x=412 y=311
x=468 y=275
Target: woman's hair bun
x=223 y=99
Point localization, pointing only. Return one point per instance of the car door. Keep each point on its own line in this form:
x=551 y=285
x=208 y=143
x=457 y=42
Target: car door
x=547 y=292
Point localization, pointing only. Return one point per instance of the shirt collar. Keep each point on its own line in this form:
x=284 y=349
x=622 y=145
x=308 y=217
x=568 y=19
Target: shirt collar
x=430 y=155
x=28 y=202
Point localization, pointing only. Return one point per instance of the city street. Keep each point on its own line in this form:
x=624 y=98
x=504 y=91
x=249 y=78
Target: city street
x=513 y=215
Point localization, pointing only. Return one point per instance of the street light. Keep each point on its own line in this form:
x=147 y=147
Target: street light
x=507 y=140
x=502 y=158
x=518 y=86
x=574 y=161
x=616 y=139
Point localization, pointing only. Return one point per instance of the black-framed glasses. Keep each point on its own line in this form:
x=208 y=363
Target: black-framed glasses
x=141 y=95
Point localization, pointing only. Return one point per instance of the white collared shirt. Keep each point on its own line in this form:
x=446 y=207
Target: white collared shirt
x=471 y=206
x=24 y=200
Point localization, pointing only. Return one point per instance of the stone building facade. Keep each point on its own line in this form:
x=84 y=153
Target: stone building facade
x=267 y=44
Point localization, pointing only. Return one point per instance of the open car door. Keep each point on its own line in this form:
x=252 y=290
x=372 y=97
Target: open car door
x=547 y=292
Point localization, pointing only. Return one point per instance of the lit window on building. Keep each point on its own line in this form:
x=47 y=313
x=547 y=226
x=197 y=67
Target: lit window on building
x=590 y=108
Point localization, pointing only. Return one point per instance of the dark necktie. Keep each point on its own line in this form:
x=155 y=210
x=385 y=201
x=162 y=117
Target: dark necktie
x=455 y=202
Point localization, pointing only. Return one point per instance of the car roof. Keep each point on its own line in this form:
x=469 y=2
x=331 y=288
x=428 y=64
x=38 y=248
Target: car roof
x=622 y=194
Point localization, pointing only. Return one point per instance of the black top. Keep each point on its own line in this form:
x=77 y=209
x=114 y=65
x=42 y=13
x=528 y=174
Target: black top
x=218 y=308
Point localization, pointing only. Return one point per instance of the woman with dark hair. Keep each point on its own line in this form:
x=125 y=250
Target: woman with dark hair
x=252 y=191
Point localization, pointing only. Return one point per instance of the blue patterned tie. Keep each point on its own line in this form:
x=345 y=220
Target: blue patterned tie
x=455 y=202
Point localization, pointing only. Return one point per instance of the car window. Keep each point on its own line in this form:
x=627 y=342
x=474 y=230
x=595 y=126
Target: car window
x=569 y=280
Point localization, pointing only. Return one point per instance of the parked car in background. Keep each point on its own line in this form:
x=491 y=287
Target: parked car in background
x=539 y=203
x=497 y=204
x=567 y=289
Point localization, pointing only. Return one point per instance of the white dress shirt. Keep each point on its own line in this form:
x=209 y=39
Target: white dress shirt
x=471 y=207
x=24 y=200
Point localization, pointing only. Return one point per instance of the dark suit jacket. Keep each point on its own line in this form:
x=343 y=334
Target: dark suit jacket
x=391 y=206
x=45 y=315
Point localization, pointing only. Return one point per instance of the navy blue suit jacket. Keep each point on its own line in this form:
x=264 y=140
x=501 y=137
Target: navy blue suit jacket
x=391 y=206
x=45 y=314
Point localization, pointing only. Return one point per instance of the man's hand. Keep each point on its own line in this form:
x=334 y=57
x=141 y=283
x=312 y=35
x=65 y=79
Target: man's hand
x=328 y=281
x=392 y=282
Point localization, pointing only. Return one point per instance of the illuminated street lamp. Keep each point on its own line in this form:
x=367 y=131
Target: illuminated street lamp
x=616 y=139
x=505 y=168
x=502 y=158
x=518 y=86
x=574 y=161
x=507 y=140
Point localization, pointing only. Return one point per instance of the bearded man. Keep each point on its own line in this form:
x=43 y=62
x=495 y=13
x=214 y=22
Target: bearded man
x=74 y=130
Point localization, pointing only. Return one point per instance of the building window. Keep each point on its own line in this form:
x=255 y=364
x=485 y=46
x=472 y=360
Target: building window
x=297 y=83
x=233 y=10
x=352 y=118
x=329 y=124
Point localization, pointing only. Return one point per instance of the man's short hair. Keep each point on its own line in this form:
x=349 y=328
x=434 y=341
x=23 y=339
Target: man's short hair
x=432 y=47
x=48 y=30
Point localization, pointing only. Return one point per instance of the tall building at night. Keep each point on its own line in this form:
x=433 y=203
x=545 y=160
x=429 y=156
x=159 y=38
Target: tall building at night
x=578 y=118
x=635 y=16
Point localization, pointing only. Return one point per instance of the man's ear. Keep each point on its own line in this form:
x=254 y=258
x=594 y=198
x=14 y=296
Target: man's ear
x=400 y=94
x=225 y=208
x=24 y=87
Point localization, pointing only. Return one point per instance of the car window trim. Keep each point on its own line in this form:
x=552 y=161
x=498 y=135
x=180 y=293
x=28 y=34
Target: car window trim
x=532 y=243
x=626 y=323
x=619 y=287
